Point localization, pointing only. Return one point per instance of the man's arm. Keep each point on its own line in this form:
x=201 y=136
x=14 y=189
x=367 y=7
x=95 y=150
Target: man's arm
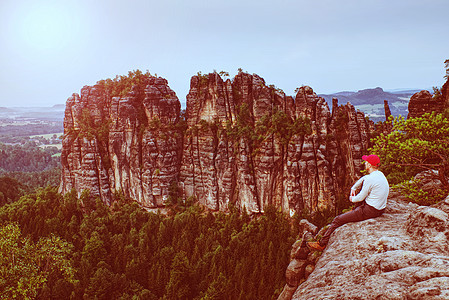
x=357 y=185
x=363 y=193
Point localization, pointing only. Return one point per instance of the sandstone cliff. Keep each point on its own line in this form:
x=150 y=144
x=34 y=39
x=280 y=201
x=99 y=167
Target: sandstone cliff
x=242 y=147
x=122 y=143
x=244 y=143
x=445 y=93
x=404 y=254
x=423 y=102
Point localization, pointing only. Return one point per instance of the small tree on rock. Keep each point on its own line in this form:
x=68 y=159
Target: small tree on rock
x=415 y=144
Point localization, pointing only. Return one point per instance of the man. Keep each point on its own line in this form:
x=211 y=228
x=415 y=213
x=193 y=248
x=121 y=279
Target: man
x=372 y=199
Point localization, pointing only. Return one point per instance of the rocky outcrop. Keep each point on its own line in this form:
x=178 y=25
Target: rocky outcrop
x=242 y=143
x=423 y=102
x=445 y=93
x=388 y=125
x=251 y=145
x=302 y=260
x=404 y=254
x=127 y=144
x=387 y=110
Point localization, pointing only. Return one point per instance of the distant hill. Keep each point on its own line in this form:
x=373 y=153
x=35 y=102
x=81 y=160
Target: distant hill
x=18 y=123
x=369 y=96
x=58 y=106
x=371 y=101
x=54 y=113
x=408 y=91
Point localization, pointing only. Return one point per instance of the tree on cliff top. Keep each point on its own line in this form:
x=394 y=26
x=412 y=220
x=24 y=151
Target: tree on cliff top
x=446 y=64
x=416 y=144
x=121 y=85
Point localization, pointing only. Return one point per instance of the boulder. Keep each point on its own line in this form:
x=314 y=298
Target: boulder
x=403 y=254
x=423 y=102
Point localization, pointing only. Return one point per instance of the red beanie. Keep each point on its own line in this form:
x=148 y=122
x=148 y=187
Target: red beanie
x=373 y=159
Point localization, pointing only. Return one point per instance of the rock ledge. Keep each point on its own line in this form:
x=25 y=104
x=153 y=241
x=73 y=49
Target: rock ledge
x=403 y=254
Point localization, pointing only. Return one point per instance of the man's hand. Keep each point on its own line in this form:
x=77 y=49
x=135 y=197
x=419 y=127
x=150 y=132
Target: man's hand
x=353 y=193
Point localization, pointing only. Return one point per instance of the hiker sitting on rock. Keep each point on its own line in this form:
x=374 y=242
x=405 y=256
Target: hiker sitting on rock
x=372 y=200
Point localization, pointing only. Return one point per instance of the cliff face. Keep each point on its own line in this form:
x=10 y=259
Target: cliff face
x=401 y=255
x=245 y=143
x=128 y=143
x=423 y=102
x=252 y=145
x=445 y=93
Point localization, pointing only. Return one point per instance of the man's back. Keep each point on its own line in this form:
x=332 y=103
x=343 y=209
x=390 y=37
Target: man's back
x=374 y=191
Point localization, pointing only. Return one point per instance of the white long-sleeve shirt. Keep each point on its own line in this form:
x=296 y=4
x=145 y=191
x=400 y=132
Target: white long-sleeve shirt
x=374 y=191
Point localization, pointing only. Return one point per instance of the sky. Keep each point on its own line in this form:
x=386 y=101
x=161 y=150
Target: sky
x=51 y=49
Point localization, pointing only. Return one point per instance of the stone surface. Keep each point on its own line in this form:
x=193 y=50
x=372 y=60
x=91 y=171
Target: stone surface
x=306 y=226
x=423 y=102
x=445 y=93
x=403 y=254
x=387 y=110
x=287 y=292
x=429 y=181
x=388 y=125
x=295 y=272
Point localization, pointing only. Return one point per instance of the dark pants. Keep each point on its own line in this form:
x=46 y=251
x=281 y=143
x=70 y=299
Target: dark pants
x=360 y=213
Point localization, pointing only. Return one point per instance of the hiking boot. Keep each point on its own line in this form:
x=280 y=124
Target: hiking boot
x=315 y=246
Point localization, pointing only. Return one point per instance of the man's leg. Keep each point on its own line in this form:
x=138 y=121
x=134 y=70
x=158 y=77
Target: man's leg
x=348 y=217
x=357 y=204
x=360 y=213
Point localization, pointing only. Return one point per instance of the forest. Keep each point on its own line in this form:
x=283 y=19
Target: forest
x=25 y=167
x=10 y=133
x=27 y=158
x=125 y=252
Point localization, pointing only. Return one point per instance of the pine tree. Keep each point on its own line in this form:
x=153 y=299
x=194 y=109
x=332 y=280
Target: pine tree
x=179 y=285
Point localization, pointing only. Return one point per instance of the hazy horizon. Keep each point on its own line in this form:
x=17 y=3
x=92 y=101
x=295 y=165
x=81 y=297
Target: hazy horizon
x=183 y=103
x=51 y=49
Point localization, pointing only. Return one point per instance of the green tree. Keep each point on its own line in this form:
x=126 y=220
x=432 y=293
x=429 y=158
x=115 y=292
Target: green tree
x=92 y=253
x=104 y=284
x=10 y=190
x=416 y=144
x=223 y=74
x=179 y=285
x=25 y=266
x=436 y=93
x=217 y=289
x=26 y=158
x=446 y=64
